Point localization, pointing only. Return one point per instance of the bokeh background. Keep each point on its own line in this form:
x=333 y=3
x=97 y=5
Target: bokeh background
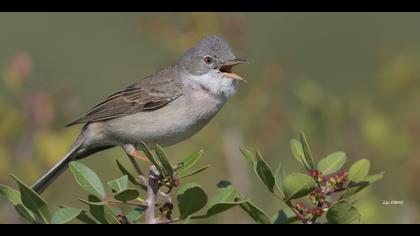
x=349 y=80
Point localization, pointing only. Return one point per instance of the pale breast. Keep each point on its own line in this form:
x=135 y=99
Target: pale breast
x=168 y=125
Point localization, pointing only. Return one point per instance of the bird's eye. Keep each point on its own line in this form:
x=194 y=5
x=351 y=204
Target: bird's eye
x=208 y=60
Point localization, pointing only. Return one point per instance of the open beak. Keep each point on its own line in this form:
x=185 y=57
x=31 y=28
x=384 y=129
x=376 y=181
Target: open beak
x=226 y=69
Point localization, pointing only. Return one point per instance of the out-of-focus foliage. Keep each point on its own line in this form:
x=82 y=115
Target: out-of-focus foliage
x=349 y=80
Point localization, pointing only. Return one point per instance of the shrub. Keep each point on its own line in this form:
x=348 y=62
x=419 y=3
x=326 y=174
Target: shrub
x=321 y=194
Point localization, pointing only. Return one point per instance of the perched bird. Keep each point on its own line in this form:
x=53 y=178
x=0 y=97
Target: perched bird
x=164 y=108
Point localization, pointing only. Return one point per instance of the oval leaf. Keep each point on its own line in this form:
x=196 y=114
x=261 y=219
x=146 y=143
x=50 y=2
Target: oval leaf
x=127 y=195
x=10 y=194
x=163 y=158
x=375 y=177
x=255 y=213
x=190 y=161
x=248 y=156
x=120 y=184
x=354 y=188
x=25 y=213
x=297 y=185
x=191 y=198
x=332 y=163
x=359 y=170
x=131 y=177
x=134 y=215
x=185 y=175
x=64 y=215
x=87 y=179
x=83 y=217
x=102 y=212
x=151 y=158
x=298 y=154
x=264 y=173
x=307 y=151
x=225 y=199
x=33 y=201
x=343 y=212
x=279 y=176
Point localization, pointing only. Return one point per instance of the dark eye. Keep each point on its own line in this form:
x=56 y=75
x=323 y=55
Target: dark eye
x=208 y=60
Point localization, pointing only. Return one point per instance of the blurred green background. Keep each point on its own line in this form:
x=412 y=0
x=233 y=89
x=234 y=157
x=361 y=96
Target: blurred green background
x=349 y=80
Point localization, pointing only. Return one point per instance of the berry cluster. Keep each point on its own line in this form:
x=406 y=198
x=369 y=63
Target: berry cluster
x=319 y=196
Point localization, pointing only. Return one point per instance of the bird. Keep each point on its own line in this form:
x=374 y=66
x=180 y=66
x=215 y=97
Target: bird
x=164 y=108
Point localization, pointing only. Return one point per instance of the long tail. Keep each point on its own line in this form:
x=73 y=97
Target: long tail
x=76 y=152
x=57 y=170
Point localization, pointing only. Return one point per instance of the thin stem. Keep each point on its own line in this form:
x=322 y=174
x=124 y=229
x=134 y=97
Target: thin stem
x=290 y=205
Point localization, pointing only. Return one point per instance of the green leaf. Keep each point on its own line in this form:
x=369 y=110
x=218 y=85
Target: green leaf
x=102 y=212
x=297 y=185
x=263 y=172
x=83 y=217
x=193 y=172
x=131 y=177
x=64 y=215
x=248 y=155
x=342 y=212
x=354 y=188
x=93 y=203
x=33 y=201
x=375 y=177
x=307 y=151
x=135 y=215
x=279 y=176
x=163 y=158
x=127 y=195
x=255 y=213
x=332 y=163
x=87 y=179
x=359 y=170
x=151 y=158
x=190 y=161
x=25 y=213
x=10 y=194
x=298 y=154
x=225 y=199
x=14 y=197
x=283 y=217
x=191 y=198
x=120 y=184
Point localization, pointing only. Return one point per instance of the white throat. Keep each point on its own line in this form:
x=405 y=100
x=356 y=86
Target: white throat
x=214 y=82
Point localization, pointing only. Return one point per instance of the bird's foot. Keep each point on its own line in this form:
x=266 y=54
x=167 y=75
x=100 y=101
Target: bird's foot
x=131 y=151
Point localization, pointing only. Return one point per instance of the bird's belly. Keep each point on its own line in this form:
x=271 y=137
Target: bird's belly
x=168 y=125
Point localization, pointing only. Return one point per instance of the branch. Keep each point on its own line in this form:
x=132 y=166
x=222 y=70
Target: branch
x=152 y=191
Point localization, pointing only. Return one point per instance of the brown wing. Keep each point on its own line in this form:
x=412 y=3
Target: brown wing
x=146 y=95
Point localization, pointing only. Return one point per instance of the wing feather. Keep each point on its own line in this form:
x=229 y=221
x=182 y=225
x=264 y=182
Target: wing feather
x=148 y=94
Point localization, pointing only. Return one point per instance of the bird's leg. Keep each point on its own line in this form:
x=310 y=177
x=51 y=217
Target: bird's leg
x=131 y=151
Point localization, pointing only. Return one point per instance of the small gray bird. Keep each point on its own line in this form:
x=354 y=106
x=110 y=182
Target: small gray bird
x=164 y=108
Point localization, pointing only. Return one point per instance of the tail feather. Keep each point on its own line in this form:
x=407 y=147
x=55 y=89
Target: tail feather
x=56 y=171
x=76 y=152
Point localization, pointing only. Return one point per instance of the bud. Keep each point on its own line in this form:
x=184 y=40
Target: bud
x=300 y=207
x=316 y=175
x=317 y=211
